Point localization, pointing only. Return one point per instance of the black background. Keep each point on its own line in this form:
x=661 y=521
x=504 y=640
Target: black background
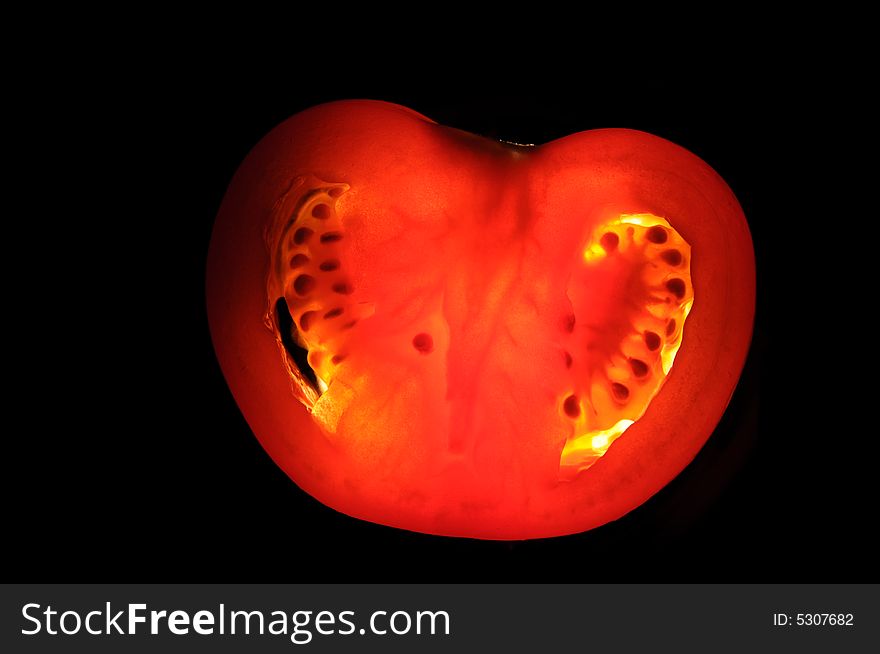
x=144 y=469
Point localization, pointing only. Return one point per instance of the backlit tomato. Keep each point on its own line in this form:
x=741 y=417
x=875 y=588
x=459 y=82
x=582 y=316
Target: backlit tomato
x=444 y=333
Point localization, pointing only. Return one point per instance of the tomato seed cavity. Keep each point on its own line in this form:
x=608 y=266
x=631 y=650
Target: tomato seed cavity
x=304 y=284
x=302 y=235
x=609 y=241
x=423 y=343
x=672 y=257
x=305 y=320
x=639 y=367
x=571 y=406
x=676 y=287
x=298 y=260
x=656 y=234
x=620 y=391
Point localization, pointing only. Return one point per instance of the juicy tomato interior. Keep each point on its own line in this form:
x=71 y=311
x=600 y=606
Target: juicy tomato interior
x=453 y=335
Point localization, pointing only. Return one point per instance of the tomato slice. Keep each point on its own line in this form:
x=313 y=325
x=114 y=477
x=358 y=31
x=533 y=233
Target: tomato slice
x=448 y=334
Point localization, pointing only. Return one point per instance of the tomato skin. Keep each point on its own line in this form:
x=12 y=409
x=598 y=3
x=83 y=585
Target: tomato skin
x=392 y=157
